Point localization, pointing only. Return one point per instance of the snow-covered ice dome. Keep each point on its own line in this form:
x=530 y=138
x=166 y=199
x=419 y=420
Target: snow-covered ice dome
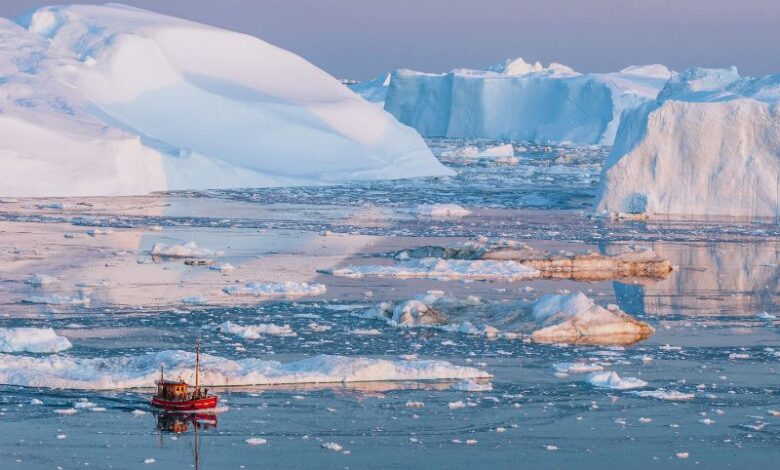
x=114 y=100
x=709 y=145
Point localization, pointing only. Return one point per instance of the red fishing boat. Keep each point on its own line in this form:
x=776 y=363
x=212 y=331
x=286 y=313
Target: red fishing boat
x=177 y=395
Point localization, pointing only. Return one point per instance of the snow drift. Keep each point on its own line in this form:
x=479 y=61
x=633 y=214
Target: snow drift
x=113 y=100
x=709 y=145
x=519 y=101
x=141 y=371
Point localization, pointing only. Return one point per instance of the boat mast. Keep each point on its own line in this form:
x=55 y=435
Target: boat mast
x=197 y=363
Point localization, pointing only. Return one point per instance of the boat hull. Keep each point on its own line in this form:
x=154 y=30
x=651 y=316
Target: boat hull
x=186 y=405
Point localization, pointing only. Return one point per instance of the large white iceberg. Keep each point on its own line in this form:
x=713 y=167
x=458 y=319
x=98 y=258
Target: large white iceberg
x=519 y=101
x=113 y=100
x=709 y=145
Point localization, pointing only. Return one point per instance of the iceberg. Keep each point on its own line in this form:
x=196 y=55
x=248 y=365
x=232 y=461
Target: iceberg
x=114 y=100
x=141 y=371
x=709 y=145
x=32 y=340
x=515 y=100
x=574 y=318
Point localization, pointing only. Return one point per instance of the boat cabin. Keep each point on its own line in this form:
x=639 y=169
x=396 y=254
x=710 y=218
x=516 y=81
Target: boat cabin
x=172 y=390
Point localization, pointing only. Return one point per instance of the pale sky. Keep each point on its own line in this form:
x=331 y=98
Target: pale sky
x=363 y=38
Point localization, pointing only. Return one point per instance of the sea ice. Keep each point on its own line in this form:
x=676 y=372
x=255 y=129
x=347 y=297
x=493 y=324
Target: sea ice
x=33 y=340
x=440 y=268
x=609 y=379
x=574 y=318
x=186 y=250
x=661 y=394
x=287 y=290
x=255 y=331
x=38 y=280
x=118 y=372
x=441 y=211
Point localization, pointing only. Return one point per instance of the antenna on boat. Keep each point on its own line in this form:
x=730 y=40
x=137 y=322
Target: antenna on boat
x=162 y=372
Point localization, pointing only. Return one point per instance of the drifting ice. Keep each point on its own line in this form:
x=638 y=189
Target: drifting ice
x=32 y=340
x=141 y=371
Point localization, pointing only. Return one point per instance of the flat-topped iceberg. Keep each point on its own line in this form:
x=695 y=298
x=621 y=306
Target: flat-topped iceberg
x=114 y=100
x=515 y=100
x=709 y=145
x=141 y=371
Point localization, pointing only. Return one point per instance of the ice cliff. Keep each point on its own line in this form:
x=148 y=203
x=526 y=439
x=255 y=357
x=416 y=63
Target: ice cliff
x=515 y=100
x=708 y=145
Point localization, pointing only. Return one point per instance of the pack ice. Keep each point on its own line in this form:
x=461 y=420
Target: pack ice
x=515 y=100
x=113 y=100
x=709 y=145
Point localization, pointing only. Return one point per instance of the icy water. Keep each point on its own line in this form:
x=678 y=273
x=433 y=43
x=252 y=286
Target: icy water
x=716 y=345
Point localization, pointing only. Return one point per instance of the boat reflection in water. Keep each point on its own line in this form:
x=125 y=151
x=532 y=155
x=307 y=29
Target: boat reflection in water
x=179 y=423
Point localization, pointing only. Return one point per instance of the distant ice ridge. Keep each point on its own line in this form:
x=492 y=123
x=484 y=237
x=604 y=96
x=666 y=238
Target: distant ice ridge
x=515 y=100
x=32 y=340
x=114 y=100
x=709 y=145
x=141 y=371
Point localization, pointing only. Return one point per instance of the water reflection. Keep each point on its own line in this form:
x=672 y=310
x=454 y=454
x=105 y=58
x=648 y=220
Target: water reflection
x=179 y=423
x=711 y=279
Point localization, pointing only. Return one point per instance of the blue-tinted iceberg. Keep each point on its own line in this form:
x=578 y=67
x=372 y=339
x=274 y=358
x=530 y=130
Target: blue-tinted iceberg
x=519 y=101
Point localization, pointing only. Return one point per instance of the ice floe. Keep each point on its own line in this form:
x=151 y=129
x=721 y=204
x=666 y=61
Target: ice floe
x=610 y=379
x=441 y=211
x=661 y=394
x=469 y=385
x=577 y=367
x=57 y=371
x=636 y=261
x=574 y=318
x=255 y=331
x=560 y=318
x=185 y=250
x=289 y=290
x=39 y=280
x=56 y=299
x=32 y=340
x=442 y=269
